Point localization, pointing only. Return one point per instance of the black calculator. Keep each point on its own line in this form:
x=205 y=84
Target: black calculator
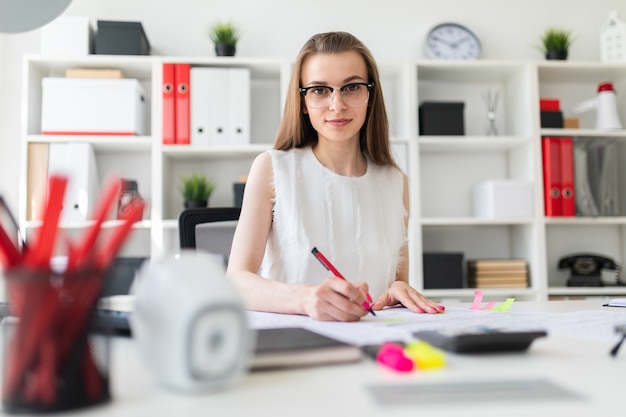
x=480 y=339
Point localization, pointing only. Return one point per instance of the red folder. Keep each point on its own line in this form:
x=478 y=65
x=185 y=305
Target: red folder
x=181 y=95
x=552 y=176
x=567 y=177
x=169 y=105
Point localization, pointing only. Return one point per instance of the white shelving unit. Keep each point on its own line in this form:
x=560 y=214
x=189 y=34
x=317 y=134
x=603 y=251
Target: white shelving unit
x=451 y=166
x=443 y=170
x=601 y=235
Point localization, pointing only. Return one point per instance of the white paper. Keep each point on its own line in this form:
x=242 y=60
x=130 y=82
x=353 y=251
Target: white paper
x=399 y=324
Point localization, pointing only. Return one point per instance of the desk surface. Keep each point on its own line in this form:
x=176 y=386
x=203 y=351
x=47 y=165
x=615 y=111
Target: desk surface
x=580 y=365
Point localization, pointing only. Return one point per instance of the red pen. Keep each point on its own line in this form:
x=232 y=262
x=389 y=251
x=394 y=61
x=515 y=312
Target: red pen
x=336 y=273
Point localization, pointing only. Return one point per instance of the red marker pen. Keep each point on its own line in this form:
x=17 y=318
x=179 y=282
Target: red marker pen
x=336 y=273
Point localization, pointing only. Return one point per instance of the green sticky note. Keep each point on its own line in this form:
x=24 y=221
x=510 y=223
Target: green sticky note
x=504 y=306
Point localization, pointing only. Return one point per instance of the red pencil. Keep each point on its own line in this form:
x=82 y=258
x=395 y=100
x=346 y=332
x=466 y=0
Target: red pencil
x=109 y=198
x=336 y=273
x=38 y=254
x=9 y=254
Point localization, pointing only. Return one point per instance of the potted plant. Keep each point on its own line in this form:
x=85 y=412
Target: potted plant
x=225 y=36
x=196 y=190
x=556 y=43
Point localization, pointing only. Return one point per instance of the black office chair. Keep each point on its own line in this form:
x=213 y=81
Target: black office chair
x=194 y=222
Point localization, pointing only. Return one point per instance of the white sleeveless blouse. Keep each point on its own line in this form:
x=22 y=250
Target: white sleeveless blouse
x=356 y=222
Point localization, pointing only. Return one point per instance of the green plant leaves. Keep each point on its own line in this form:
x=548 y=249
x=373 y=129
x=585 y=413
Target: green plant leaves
x=224 y=33
x=555 y=39
x=197 y=188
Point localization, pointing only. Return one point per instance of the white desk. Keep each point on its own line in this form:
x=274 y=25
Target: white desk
x=583 y=366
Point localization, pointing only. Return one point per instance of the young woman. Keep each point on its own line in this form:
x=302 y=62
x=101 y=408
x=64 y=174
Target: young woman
x=330 y=183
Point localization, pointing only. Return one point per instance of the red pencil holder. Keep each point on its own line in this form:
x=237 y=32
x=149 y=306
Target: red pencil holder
x=52 y=362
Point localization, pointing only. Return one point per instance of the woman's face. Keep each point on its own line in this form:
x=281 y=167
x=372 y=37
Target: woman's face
x=336 y=121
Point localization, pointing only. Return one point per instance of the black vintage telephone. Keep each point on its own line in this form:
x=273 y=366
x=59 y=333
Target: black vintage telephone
x=586 y=269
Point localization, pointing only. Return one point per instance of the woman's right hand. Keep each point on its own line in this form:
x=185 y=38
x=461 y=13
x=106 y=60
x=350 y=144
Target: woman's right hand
x=336 y=300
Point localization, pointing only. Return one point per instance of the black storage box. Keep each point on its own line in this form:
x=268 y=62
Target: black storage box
x=121 y=38
x=551 y=118
x=443 y=270
x=441 y=118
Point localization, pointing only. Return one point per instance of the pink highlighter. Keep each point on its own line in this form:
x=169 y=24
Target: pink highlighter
x=392 y=355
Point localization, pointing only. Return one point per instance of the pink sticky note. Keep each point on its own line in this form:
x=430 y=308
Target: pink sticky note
x=478 y=298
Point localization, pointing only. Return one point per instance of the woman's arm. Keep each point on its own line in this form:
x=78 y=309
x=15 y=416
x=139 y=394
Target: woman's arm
x=334 y=299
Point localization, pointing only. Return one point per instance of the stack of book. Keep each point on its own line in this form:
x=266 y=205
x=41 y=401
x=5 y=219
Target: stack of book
x=497 y=273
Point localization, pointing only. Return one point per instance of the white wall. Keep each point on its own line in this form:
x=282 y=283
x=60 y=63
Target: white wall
x=393 y=29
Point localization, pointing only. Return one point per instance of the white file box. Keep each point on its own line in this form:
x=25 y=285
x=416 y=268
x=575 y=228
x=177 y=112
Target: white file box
x=68 y=35
x=84 y=106
x=503 y=198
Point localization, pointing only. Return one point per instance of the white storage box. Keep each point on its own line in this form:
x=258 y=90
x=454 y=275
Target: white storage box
x=68 y=35
x=503 y=198
x=82 y=106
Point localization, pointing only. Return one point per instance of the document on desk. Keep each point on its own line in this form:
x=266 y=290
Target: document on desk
x=399 y=324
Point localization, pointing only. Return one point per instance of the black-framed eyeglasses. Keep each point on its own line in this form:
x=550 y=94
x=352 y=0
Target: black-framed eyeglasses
x=353 y=94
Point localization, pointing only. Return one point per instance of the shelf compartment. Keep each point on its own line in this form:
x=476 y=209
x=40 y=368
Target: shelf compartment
x=267 y=90
x=469 y=82
x=497 y=241
x=600 y=177
x=564 y=239
x=459 y=171
x=223 y=168
x=39 y=67
x=574 y=83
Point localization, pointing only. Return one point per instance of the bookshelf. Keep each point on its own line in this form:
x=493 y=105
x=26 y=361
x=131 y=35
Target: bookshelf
x=443 y=170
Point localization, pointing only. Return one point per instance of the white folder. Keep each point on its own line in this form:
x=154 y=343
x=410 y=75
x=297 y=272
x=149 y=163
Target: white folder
x=199 y=118
x=239 y=103
x=220 y=106
x=208 y=90
x=77 y=162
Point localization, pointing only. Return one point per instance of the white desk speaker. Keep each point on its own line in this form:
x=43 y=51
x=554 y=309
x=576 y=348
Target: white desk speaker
x=190 y=324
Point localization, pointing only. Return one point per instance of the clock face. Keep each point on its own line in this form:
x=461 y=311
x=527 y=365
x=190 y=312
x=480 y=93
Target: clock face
x=452 y=41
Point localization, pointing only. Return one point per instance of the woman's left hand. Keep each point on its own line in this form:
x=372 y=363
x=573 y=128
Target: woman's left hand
x=401 y=292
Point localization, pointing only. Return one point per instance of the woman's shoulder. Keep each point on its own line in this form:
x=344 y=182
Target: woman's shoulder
x=263 y=159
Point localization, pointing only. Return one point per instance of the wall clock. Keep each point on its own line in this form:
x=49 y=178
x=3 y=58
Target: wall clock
x=452 y=41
